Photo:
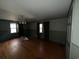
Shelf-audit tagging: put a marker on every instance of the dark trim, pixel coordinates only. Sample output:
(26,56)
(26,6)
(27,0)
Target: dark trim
(8,20)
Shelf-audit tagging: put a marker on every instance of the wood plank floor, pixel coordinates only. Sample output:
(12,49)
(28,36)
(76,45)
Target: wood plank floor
(31,49)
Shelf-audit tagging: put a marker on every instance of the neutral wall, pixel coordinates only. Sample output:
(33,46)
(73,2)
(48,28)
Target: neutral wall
(74,49)
(33,29)
(57,30)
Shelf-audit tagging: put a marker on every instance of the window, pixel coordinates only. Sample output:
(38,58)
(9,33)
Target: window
(13,27)
(41,28)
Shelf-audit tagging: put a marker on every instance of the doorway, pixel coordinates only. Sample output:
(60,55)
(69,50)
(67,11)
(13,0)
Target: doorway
(43,30)
(21,30)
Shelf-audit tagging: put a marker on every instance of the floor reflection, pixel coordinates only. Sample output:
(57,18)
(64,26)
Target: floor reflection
(14,46)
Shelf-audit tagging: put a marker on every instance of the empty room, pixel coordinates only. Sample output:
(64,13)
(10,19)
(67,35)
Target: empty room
(39,29)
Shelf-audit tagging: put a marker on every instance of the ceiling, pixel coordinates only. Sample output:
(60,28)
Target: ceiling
(34,9)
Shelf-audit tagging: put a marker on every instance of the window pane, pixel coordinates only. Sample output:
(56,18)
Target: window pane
(13,25)
(40,28)
(13,30)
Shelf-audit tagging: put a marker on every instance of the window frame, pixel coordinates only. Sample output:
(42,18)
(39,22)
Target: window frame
(15,27)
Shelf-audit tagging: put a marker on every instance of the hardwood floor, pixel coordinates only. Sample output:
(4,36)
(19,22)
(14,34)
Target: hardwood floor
(31,49)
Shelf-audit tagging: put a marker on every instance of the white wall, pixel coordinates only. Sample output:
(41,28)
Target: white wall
(74,48)
(58,24)
(75,23)
(57,30)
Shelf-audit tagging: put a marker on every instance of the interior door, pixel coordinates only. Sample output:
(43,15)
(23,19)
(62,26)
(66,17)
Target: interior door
(46,30)
(21,30)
